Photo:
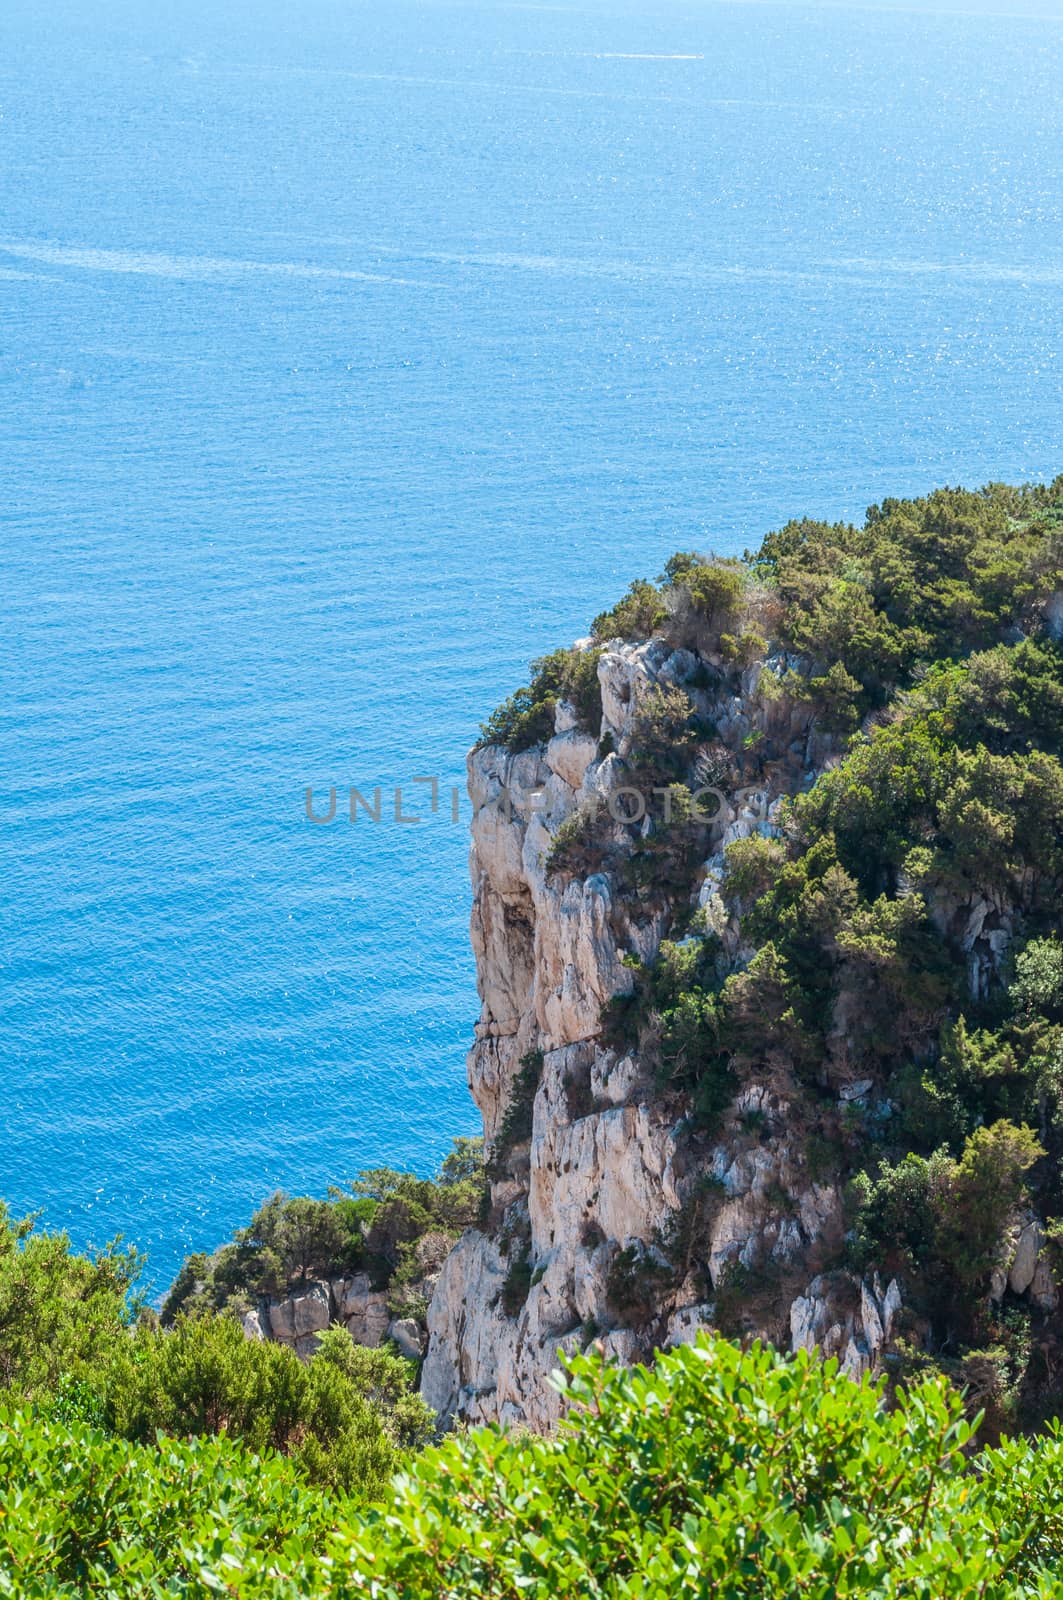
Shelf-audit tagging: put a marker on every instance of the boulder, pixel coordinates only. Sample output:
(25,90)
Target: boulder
(311,1310)
(1024,1261)
(406,1335)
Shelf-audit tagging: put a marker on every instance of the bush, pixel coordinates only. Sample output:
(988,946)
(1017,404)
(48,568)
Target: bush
(665,736)
(946,1214)
(922,580)
(89,1516)
(61,1315)
(345,1417)
(635,1283)
(986,1187)
(751,866)
(580,845)
(739,1473)
(375,1228)
(722,1471)
(715,590)
(636,616)
(1037,989)
(516,1124)
(527,717)
(516,1285)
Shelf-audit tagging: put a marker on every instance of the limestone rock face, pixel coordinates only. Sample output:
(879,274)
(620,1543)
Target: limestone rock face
(842,1316)
(1027,1249)
(466,1327)
(364,1311)
(607,1175)
(405,1334)
(298,1319)
(252,1326)
(1024,1267)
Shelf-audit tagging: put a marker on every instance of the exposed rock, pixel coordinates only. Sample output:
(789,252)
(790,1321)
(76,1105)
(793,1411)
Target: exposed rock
(607,1168)
(365,1312)
(282,1320)
(1024,1262)
(298,1319)
(311,1311)
(612,1080)
(873,1331)
(466,1330)
(1043,1290)
(405,1333)
(685,1324)
(1023,1267)
(842,1316)
(1053,615)
(569,754)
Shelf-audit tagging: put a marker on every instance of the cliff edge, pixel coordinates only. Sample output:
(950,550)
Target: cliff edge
(728,919)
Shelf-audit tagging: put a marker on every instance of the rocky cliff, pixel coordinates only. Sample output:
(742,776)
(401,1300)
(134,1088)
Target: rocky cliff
(615,1213)
(610,1163)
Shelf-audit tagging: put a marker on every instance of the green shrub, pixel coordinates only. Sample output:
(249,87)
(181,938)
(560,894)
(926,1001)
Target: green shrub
(527,717)
(665,735)
(738,1473)
(922,580)
(722,1471)
(516,1125)
(715,590)
(516,1285)
(636,616)
(580,846)
(375,1228)
(945,1214)
(83,1515)
(987,1185)
(741,650)
(751,865)
(1037,989)
(688,1239)
(345,1416)
(61,1315)
(635,1284)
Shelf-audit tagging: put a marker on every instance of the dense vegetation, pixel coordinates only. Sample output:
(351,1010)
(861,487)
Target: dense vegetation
(743,1475)
(78,1343)
(527,717)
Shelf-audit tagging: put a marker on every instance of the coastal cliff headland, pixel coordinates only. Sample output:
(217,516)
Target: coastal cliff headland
(766,918)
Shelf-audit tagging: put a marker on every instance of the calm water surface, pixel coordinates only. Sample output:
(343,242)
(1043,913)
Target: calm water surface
(351,355)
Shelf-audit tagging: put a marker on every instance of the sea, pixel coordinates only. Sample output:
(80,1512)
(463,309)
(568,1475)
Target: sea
(353,353)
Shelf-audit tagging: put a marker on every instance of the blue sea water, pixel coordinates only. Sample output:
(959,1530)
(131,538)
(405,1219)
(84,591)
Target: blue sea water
(351,354)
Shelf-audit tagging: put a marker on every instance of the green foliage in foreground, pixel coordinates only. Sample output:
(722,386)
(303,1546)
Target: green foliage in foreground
(741,1475)
(70,1344)
(346,1416)
(82,1514)
(61,1315)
